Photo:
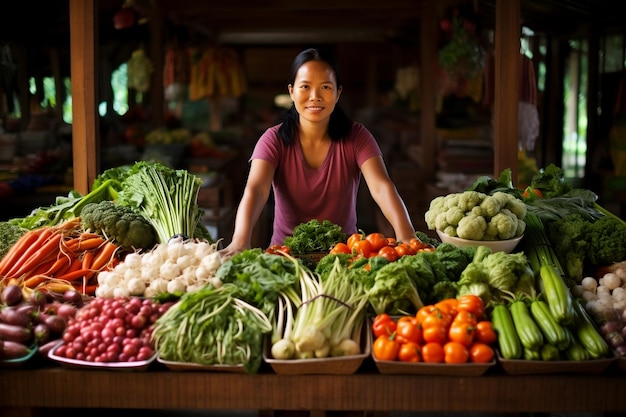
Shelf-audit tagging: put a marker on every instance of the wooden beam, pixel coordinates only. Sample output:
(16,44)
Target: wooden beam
(85,138)
(506,94)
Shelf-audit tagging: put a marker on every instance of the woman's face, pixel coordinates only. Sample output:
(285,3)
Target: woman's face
(314,91)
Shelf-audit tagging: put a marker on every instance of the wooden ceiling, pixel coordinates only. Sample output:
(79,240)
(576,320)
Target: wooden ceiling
(289,21)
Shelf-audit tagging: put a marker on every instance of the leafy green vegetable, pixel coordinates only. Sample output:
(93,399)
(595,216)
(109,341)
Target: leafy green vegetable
(394,291)
(444,290)
(212,326)
(314,236)
(580,242)
(550,181)
(167,197)
(9,234)
(504,183)
(128,229)
(67,207)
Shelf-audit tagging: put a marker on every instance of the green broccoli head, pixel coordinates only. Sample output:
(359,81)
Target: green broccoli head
(608,241)
(128,229)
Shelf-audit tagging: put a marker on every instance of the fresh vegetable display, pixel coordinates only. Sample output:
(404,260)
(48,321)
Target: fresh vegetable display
(175,267)
(314,236)
(477,216)
(452,331)
(112,330)
(34,320)
(58,258)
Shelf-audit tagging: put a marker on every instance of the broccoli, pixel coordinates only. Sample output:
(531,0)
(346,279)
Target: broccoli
(443,290)
(9,235)
(394,292)
(569,237)
(128,229)
(607,240)
(472,227)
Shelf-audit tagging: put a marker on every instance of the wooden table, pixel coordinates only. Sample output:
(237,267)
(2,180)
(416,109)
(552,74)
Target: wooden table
(28,392)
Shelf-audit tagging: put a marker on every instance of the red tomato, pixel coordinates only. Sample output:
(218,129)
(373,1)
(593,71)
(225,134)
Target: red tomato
(389,253)
(340,248)
(407,330)
(485,332)
(376,240)
(481,353)
(455,352)
(462,333)
(362,247)
(433,353)
(471,303)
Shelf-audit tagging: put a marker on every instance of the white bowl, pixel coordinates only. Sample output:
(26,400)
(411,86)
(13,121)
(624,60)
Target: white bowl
(495,245)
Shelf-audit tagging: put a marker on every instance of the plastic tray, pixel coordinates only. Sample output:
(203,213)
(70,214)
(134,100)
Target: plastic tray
(190,366)
(343,365)
(528,367)
(109,366)
(19,362)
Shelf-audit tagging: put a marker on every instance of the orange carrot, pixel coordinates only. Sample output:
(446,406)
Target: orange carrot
(79,273)
(35,280)
(87,259)
(36,256)
(17,249)
(61,262)
(85,289)
(42,268)
(104,256)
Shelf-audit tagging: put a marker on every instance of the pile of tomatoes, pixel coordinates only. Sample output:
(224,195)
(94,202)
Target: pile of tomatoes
(453,330)
(377,244)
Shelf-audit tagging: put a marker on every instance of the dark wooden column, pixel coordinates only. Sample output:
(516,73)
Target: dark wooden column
(85,121)
(507,59)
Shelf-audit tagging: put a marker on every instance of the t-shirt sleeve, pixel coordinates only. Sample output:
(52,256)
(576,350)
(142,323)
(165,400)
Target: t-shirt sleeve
(268,147)
(366,146)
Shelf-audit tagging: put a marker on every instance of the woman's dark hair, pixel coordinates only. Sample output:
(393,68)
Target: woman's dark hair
(339,125)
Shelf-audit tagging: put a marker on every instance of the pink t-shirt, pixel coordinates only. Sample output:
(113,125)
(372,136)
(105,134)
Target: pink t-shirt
(329,192)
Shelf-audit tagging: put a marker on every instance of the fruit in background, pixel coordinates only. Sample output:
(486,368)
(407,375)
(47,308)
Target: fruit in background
(134,135)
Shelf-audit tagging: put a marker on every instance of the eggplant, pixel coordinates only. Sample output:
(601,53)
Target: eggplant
(13,350)
(13,333)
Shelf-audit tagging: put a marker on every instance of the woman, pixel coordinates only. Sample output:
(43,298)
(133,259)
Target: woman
(313,160)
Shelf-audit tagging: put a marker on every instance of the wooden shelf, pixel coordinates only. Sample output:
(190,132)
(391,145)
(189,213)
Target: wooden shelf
(26,391)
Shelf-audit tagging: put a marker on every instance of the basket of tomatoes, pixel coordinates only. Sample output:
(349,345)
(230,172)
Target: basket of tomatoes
(450,337)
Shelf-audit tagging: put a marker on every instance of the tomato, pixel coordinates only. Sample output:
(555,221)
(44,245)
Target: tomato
(404,249)
(435,334)
(433,353)
(455,352)
(424,312)
(385,348)
(391,241)
(340,248)
(362,247)
(417,244)
(462,333)
(473,304)
(353,238)
(481,353)
(277,249)
(447,306)
(435,318)
(407,330)
(465,317)
(389,253)
(383,324)
(409,352)
(377,240)
(485,332)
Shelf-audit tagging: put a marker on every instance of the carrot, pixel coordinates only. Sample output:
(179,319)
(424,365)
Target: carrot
(79,273)
(35,280)
(42,268)
(35,257)
(87,243)
(87,259)
(54,286)
(104,256)
(61,262)
(85,289)
(17,249)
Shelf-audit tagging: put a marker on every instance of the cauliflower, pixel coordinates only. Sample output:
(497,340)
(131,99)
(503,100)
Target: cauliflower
(472,227)
(436,206)
(454,215)
(128,229)
(492,204)
(470,199)
(506,224)
(517,207)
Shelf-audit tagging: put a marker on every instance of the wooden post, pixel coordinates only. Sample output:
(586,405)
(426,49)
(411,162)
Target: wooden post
(506,94)
(428,55)
(85,138)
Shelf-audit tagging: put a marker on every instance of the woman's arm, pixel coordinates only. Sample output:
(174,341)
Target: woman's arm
(385,194)
(254,198)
